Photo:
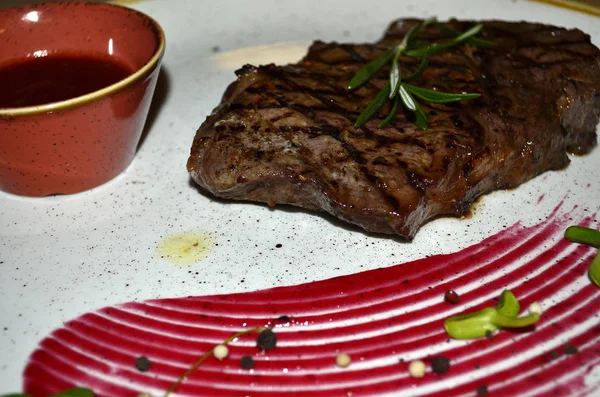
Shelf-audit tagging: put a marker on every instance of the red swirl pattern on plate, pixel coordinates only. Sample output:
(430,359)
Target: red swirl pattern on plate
(382,318)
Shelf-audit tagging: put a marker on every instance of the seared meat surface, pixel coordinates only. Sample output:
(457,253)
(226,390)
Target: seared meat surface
(285,134)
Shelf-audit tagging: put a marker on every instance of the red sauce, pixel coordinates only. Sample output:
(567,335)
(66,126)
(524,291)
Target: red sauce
(38,81)
(369,312)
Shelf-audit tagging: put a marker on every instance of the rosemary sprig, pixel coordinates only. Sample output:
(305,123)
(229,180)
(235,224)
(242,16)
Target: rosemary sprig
(209,353)
(397,87)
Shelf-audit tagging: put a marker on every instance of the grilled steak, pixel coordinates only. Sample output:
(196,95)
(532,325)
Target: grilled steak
(284,134)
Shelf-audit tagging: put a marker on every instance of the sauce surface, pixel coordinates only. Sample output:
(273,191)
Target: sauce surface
(53,78)
(383,318)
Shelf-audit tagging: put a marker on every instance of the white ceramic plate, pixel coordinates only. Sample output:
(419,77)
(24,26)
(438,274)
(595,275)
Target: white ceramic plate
(64,256)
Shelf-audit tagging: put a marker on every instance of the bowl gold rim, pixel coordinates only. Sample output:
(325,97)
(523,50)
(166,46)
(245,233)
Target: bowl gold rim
(9,113)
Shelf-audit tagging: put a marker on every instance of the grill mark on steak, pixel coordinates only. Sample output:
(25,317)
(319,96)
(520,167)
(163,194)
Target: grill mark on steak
(329,105)
(285,134)
(355,56)
(325,128)
(334,132)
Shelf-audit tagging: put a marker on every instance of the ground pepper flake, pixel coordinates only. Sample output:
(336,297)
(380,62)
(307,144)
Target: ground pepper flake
(482,390)
(440,365)
(266,340)
(570,349)
(284,319)
(142,363)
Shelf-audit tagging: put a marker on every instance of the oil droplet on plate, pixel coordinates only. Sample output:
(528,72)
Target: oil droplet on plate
(186,248)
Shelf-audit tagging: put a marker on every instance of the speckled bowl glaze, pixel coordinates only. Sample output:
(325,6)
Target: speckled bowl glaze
(80,143)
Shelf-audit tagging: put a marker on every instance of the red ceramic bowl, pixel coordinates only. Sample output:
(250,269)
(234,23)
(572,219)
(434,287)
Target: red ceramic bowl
(85,139)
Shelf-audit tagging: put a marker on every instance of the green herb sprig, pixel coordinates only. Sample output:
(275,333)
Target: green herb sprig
(207,355)
(585,235)
(489,320)
(397,90)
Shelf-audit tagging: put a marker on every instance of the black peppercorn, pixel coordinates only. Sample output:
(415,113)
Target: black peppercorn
(142,363)
(266,340)
(440,365)
(247,362)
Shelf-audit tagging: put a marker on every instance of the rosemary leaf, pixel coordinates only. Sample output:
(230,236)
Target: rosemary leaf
(397,90)
(422,66)
(395,78)
(414,32)
(392,114)
(473,40)
(374,106)
(367,71)
(437,48)
(438,96)
(407,100)
(421,118)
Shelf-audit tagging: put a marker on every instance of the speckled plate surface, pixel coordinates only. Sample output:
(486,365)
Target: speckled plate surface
(61,257)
